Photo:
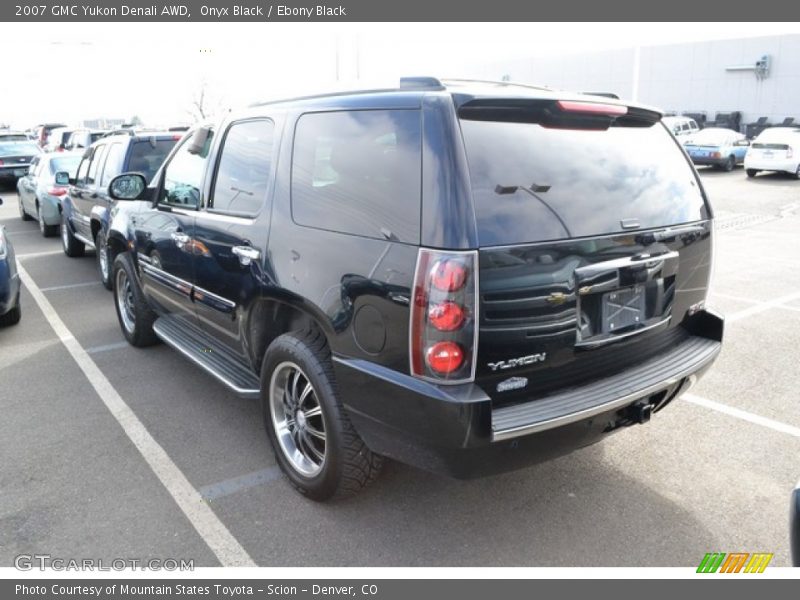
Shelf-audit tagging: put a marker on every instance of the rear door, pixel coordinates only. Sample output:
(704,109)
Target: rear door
(594,240)
(80,193)
(232,230)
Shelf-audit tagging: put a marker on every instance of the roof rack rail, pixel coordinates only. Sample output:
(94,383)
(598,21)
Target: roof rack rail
(428,83)
(498,82)
(603,94)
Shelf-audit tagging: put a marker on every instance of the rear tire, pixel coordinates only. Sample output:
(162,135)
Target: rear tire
(13,316)
(72,246)
(315,444)
(102,260)
(135,316)
(730,164)
(752,173)
(45,229)
(797,172)
(23,215)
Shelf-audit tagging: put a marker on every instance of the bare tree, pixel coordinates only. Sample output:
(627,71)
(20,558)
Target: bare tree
(203,103)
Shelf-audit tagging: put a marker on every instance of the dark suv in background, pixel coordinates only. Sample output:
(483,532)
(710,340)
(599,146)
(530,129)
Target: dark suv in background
(464,276)
(85,211)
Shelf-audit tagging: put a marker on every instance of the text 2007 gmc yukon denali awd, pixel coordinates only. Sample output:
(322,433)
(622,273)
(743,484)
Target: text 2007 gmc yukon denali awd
(463,276)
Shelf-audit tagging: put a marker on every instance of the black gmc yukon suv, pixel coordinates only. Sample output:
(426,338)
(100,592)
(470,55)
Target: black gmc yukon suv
(463,276)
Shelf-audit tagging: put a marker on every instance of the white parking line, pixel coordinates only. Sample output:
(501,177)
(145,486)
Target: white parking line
(69,286)
(761,307)
(743,414)
(221,542)
(35,254)
(751,301)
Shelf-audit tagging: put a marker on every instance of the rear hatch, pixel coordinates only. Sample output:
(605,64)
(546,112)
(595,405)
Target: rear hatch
(769,151)
(594,237)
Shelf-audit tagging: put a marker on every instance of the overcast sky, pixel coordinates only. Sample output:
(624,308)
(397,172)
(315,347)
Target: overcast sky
(73,71)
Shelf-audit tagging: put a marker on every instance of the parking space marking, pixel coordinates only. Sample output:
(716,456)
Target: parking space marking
(761,307)
(219,539)
(107,347)
(69,286)
(237,484)
(35,254)
(752,301)
(743,415)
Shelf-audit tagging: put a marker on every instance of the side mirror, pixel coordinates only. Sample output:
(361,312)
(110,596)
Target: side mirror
(62,178)
(198,142)
(128,186)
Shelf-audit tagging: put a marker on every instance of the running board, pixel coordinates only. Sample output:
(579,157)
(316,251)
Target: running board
(205,352)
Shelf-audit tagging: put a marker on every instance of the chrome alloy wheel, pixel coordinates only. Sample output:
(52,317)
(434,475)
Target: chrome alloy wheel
(64,232)
(297,419)
(125,300)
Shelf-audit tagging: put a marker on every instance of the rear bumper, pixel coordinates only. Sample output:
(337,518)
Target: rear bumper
(456,431)
(790,166)
(716,162)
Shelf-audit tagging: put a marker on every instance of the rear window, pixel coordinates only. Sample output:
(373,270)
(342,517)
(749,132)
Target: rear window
(146,156)
(13,137)
(66,163)
(359,172)
(18,148)
(531,183)
(760,146)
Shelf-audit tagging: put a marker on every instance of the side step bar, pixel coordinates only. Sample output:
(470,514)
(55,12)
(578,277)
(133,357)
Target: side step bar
(575,404)
(205,352)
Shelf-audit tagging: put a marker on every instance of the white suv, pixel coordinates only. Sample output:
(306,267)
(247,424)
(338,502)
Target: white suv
(681,127)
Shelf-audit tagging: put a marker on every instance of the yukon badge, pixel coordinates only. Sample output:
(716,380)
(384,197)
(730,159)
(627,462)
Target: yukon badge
(513,383)
(530,359)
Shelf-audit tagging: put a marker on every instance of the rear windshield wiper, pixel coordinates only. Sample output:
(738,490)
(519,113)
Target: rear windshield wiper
(534,190)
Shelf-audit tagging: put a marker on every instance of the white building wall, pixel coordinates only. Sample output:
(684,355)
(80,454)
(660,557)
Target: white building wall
(677,78)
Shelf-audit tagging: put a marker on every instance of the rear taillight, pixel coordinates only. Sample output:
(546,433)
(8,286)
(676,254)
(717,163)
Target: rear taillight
(592,108)
(57,191)
(716,155)
(443,332)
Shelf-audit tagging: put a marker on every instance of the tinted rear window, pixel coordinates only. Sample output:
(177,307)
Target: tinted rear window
(146,156)
(359,172)
(575,183)
(18,148)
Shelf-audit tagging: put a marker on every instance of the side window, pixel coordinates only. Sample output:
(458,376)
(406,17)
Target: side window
(83,168)
(113,162)
(359,172)
(244,167)
(685,127)
(91,175)
(183,175)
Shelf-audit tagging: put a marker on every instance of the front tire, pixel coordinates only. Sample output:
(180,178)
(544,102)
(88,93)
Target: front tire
(315,444)
(135,316)
(13,316)
(797,172)
(72,246)
(102,260)
(752,173)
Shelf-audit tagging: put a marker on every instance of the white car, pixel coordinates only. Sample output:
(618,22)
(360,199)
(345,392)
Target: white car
(775,149)
(681,127)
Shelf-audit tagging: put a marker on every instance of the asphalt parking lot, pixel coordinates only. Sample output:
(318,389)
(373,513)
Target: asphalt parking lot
(713,472)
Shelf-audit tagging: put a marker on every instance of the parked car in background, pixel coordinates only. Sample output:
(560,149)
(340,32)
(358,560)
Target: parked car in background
(775,149)
(40,194)
(43,132)
(794,525)
(681,126)
(83,138)
(85,210)
(721,148)
(14,160)
(10,310)
(418,273)
(13,136)
(57,140)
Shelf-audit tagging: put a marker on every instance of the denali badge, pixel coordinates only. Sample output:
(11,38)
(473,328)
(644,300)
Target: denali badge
(517,362)
(513,383)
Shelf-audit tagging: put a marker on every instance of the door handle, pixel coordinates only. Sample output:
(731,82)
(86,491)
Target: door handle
(180,239)
(246,254)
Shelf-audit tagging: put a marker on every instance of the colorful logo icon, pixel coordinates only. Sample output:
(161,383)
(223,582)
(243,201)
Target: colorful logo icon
(735,562)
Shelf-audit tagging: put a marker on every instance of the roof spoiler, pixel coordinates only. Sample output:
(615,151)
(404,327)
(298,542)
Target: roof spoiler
(603,94)
(420,83)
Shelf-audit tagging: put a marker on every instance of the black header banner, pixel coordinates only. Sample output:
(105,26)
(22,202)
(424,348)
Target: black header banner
(395,10)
